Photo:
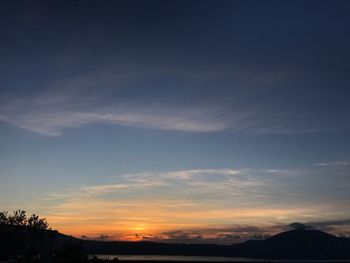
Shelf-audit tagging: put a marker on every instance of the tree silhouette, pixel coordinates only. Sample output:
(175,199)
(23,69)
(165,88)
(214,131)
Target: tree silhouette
(21,237)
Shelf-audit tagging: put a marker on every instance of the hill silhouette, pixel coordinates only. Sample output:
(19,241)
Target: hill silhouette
(298,244)
(293,244)
(301,243)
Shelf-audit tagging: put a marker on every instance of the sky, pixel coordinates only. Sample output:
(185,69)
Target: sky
(176,121)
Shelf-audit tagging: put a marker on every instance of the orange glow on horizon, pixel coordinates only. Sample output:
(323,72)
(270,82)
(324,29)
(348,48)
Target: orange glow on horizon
(132,227)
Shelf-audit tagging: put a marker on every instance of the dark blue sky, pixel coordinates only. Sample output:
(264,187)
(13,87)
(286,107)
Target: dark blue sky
(93,92)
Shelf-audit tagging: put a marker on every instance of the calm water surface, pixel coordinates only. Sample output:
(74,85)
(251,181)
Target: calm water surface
(199,258)
(176,258)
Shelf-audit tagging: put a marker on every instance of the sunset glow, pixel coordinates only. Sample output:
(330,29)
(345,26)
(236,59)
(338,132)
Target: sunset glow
(176,121)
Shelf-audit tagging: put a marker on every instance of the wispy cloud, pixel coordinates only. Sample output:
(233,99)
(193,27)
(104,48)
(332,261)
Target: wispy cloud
(202,202)
(95,99)
(49,115)
(335,163)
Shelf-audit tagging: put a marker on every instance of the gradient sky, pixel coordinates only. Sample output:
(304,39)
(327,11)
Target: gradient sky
(198,121)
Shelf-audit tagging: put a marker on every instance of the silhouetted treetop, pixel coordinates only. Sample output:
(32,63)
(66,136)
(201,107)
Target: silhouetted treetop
(19,218)
(23,238)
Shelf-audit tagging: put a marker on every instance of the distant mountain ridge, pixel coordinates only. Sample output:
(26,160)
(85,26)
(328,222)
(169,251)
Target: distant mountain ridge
(298,244)
(293,244)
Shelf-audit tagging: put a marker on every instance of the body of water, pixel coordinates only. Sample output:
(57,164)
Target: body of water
(203,259)
(177,258)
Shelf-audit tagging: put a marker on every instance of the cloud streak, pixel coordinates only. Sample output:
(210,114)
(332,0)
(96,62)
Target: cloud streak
(213,204)
(336,163)
(50,116)
(96,99)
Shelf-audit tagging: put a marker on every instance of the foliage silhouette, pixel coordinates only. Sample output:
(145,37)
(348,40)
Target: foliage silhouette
(22,237)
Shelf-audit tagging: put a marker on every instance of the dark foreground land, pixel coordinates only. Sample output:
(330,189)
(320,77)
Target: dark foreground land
(28,239)
(162,261)
(32,245)
(292,245)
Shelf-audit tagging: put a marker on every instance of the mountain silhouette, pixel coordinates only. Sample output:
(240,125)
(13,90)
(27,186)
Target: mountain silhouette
(293,244)
(297,244)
